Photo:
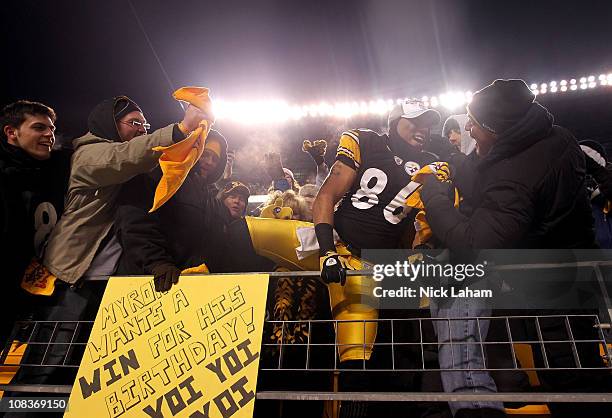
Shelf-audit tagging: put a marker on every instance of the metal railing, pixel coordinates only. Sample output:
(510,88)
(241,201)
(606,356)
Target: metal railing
(316,354)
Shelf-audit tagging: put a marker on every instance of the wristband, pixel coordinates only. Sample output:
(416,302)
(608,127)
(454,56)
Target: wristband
(325,236)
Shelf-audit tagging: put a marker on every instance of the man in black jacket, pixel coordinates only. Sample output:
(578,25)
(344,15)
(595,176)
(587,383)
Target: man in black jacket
(185,232)
(526,189)
(33,182)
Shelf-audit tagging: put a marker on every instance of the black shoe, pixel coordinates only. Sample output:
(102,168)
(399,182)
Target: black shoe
(480,413)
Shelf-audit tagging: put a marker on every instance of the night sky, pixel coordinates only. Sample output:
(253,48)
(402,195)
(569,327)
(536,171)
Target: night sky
(72,54)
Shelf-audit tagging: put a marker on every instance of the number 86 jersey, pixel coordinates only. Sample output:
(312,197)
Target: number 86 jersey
(372,214)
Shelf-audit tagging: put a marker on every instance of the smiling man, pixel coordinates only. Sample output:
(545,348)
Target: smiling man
(32,186)
(524,188)
(370,180)
(369,177)
(117,148)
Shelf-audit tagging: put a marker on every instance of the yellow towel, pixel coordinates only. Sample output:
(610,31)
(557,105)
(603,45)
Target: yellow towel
(37,280)
(201,269)
(442,172)
(177,159)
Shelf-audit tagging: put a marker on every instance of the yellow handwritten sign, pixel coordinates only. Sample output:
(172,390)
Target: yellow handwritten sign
(190,352)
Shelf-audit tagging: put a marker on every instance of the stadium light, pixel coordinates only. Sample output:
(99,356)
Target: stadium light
(279,111)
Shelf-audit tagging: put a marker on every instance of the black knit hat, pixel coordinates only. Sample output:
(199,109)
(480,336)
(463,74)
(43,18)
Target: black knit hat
(450,124)
(501,104)
(123,106)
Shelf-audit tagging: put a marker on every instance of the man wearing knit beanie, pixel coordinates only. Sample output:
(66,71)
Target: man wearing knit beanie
(525,189)
(495,109)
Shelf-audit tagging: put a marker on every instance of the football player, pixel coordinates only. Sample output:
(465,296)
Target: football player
(371,179)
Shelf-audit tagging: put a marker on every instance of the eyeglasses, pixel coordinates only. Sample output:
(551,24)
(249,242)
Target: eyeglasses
(137,124)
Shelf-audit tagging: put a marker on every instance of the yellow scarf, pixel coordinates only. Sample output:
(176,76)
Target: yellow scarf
(177,159)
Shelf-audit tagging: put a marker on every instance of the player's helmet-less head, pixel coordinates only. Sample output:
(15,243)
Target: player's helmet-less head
(409,127)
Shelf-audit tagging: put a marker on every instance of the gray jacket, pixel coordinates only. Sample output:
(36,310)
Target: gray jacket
(99,167)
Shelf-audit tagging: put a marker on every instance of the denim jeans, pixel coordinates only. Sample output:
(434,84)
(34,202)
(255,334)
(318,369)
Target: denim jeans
(463,356)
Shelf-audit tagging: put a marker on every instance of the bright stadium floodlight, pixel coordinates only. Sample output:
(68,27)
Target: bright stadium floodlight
(279,111)
(452,100)
(363,108)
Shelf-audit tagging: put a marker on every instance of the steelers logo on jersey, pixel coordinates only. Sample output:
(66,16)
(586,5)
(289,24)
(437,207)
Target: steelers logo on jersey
(411,167)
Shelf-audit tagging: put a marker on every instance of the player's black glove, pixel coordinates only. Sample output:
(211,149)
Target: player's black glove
(164,276)
(334,267)
(316,150)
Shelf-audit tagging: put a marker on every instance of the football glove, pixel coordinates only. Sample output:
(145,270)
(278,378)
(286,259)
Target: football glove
(334,267)
(316,149)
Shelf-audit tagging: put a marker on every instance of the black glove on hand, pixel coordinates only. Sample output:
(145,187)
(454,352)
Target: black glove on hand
(334,267)
(433,187)
(164,276)
(316,150)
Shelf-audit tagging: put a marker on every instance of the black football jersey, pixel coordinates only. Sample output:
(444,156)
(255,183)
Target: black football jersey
(372,214)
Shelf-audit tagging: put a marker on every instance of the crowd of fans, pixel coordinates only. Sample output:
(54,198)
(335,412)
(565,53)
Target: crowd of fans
(69,218)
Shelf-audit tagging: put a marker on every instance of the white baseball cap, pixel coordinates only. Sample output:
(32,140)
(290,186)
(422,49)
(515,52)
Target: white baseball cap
(413,110)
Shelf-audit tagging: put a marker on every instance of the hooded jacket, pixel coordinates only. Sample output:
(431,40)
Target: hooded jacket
(186,231)
(100,164)
(528,192)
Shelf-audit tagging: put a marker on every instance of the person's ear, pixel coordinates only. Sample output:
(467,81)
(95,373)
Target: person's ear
(11,134)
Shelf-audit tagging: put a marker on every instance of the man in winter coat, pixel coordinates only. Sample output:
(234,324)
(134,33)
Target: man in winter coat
(527,191)
(185,232)
(116,149)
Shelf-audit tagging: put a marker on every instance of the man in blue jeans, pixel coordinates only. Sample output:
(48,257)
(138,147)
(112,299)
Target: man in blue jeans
(525,189)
